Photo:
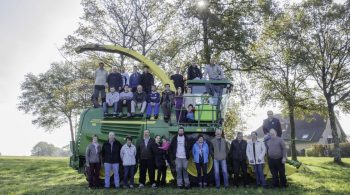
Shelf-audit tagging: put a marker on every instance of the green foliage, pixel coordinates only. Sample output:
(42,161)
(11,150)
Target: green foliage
(46,149)
(317,150)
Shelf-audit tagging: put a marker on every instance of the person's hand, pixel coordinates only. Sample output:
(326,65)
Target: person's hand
(166,163)
(259,160)
(284,160)
(87,165)
(251,161)
(124,101)
(153,104)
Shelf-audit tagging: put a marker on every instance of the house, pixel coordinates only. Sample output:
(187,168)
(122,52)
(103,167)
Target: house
(314,129)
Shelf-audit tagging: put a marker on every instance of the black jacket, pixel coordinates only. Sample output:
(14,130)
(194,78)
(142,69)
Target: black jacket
(238,150)
(111,156)
(273,124)
(178,81)
(139,97)
(193,72)
(173,147)
(144,152)
(146,80)
(159,155)
(115,79)
(167,96)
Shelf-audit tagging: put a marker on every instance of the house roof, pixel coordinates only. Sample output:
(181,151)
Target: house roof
(310,129)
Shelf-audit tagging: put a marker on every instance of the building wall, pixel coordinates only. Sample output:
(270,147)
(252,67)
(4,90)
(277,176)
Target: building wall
(327,133)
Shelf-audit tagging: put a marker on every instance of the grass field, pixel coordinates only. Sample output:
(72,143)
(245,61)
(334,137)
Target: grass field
(33,175)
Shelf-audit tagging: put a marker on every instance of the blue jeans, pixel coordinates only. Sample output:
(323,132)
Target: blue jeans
(217,164)
(108,168)
(105,107)
(149,109)
(259,174)
(129,170)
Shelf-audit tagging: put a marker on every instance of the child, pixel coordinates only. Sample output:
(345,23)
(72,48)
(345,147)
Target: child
(190,114)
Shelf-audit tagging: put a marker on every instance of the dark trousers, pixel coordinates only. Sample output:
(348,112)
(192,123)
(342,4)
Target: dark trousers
(129,172)
(146,165)
(166,106)
(238,166)
(100,89)
(278,172)
(161,175)
(120,105)
(202,168)
(94,173)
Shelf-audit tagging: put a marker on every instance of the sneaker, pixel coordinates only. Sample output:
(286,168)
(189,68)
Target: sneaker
(154,186)
(131,186)
(141,185)
(187,187)
(156,116)
(148,117)
(180,187)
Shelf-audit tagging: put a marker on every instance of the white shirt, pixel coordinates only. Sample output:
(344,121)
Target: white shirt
(180,151)
(112,98)
(101,76)
(126,78)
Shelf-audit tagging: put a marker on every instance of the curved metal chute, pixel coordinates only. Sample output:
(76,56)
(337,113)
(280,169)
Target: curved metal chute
(154,68)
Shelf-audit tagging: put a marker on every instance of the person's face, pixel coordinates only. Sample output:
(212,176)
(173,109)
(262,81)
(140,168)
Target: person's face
(111,137)
(145,70)
(146,134)
(189,90)
(167,87)
(163,140)
(126,89)
(157,139)
(253,135)
(114,69)
(272,133)
(135,68)
(139,88)
(190,108)
(94,139)
(200,140)
(239,137)
(128,142)
(177,70)
(101,65)
(153,88)
(270,114)
(180,132)
(218,133)
(112,89)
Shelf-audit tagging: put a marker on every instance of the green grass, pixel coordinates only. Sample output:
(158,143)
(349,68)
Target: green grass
(33,175)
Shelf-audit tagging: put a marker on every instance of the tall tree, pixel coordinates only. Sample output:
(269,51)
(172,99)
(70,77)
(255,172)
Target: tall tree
(325,36)
(57,96)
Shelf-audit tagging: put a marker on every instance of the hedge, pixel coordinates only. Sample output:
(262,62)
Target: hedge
(319,150)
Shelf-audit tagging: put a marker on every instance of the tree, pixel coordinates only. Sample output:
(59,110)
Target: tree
(56,96)
(325,36)
(283,78)
(45,149)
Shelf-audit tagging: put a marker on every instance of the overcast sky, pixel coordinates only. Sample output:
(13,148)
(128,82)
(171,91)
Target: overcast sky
(30,32)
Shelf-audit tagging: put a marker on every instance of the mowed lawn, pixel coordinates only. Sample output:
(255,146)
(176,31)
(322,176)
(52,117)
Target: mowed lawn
(38,175)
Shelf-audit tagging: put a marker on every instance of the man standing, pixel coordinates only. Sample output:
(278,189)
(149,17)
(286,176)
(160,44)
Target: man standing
(256,154)
(238,155)
(100,83)
(114,79)
(220,153)
(111,101)
(213,71)
(277,154)
(193,72)
(180,153)
(146,159)
(272,123)
(93,161)
(134,79)
(178,79)
(125,76)
(167,101)
(146,80)
(139,100)
(111,159)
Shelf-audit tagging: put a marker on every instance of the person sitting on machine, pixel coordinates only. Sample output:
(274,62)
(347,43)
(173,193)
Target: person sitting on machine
(125,98)
(190,114)
(139,100)
(111,101)
(167,102)
(153,101)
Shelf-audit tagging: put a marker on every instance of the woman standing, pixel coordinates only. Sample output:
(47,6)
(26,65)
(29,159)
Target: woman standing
(93,161)
(128,156)
(160,161)
(256,153)
(178,104)
(200,152)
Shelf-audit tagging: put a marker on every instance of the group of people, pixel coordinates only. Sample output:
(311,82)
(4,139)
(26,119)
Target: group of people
(158,153)
(138,91)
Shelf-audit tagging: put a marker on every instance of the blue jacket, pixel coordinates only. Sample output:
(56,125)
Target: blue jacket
(153,97)
(195,152)
(134,79)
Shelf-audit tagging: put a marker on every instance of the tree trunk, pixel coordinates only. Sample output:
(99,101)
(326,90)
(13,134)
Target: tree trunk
(205,39)
(293,149)
(71,128)
(331,115)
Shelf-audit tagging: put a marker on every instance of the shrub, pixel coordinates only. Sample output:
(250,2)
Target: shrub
(318,150)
